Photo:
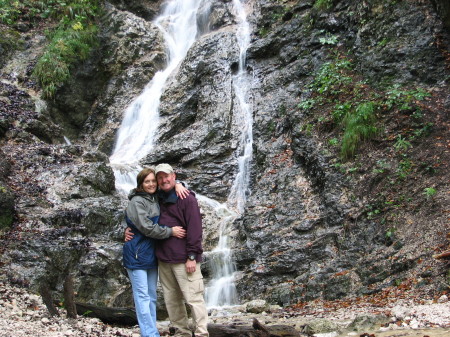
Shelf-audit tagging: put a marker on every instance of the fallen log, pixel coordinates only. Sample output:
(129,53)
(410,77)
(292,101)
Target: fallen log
(123,316)
(256,330)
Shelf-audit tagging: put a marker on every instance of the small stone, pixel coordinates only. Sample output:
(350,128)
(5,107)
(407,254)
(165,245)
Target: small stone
(414,324)
(443,299)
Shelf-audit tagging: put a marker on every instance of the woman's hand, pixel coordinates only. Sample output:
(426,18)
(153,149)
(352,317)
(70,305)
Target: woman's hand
(178,232)
(128,234)
(181,191)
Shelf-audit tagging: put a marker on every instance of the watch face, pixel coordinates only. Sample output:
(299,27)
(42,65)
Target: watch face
(191,257)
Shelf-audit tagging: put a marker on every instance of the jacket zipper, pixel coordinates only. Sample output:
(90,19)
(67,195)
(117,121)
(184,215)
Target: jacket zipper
(137,251)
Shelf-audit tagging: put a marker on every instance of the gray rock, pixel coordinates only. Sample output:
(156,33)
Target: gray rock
(318,326)
(256,306)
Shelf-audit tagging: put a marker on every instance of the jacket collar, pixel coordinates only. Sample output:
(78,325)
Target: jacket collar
(168,197)
(133,193)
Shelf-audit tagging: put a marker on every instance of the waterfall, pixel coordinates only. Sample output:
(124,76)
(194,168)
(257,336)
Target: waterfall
(222,291)
(241,85)
(135,136)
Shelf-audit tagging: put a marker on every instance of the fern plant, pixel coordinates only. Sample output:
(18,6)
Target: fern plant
(358,126)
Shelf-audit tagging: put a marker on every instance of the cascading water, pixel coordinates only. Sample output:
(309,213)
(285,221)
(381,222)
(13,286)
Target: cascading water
(135,137)
(241,85)
(222,291)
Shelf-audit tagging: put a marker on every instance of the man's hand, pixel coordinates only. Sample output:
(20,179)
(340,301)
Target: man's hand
(178,232)
(190,266)
(128,234)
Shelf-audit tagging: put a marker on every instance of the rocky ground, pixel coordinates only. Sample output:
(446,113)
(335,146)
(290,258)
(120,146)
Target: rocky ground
(24,314)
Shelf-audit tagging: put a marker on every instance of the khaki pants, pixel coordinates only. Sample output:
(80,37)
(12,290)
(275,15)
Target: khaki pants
(180,287)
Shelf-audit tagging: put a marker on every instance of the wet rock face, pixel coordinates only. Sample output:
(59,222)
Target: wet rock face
(294,243)
(145,9)
(91,106)
(197,111)
(301,235)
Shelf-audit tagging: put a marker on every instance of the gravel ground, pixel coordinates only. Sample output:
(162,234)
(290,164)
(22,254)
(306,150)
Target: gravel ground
(24,314)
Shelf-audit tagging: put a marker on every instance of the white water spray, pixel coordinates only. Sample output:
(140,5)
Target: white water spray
(136,134)
(222,291)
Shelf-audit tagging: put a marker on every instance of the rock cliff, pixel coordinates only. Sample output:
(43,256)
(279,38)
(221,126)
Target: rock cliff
(315,225)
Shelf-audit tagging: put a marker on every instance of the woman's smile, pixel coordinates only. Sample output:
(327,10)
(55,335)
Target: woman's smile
(149,185)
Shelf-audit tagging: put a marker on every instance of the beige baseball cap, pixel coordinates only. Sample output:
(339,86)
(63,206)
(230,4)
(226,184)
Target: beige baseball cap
(166,168)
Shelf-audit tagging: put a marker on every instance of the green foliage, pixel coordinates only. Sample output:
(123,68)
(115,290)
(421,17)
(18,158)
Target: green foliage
(390,232)
(401,144)
(331,77)
(425,130)
(341,110)
(373,211)
(398,282)
(306,104)
(272,126)
(9,40)
(404,167)
(70,42)
(355,106)
(263,31)
(35,10)
(323,4)
(404,98)
(333,141)
(328,39)
(429,192)
(383,42)
(10,11)
(358,126)
(67,47)
(308,128)
(382,166)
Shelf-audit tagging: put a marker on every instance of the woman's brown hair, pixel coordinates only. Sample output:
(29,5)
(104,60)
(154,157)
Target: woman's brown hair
(141,177)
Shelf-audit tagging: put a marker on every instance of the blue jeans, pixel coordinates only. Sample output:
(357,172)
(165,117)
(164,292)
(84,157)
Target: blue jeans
(143,283)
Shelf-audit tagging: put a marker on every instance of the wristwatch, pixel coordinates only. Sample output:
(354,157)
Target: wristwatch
(191,257)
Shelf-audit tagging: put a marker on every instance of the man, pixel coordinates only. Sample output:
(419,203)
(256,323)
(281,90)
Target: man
(179,268)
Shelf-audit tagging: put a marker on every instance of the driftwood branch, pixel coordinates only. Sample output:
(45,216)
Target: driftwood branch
(256,330)
(69,297)
(442,255)
(47,298)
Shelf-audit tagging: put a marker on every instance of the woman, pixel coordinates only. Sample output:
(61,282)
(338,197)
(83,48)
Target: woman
(142,215)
